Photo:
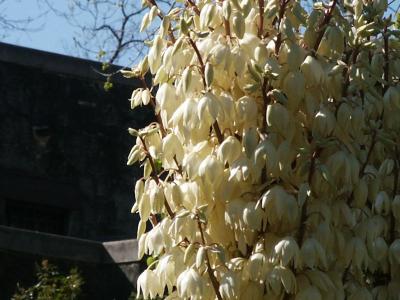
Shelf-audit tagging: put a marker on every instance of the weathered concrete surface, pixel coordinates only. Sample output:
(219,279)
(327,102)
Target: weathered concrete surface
(110,269)
(58,246)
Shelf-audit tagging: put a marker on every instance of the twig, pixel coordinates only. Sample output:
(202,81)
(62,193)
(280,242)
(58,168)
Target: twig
(371,148)
(324,23)
(346,71)
(155,176)
(282,8)
(396,172)
(227,28)
(153,103)
(394,192)
(161,16)
(214,280)
(159,120)
(218,133)
(202,70)
(303,216)
(386,56)
(202,66)
(261,19)
(194,6)
(266,100)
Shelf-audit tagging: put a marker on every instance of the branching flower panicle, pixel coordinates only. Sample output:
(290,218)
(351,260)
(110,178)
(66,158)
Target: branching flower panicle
(272,171)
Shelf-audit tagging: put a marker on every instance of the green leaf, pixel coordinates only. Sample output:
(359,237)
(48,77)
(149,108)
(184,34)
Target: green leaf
(108,86)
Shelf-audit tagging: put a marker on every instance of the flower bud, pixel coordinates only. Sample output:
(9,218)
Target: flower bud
(229,150)
(229,286)
(357,121)
(382,203)
(379,249)
(139,189)
(255,266)
(261,55)
(156,196)
(226,9)
(265,154)
(208,108)
(377,62)
(277,117)
(360,194)
(394,253)
(238,25)
(154,56)
(190,284)
(312,254)
(247,110)
(250,141)
(344,116)
(252,216)
(209,74)
(396,207)
(141,229)
(386,167)
(294,88)
(392,97)
(356,253)
(286,251)
(200,256)
(144,207)
(149,285)
(332,43)
(134,155)
(172,147)
(324,123)
(312,70)
(186,79)
(291,55)
(211,170)
(188,253)
(207,16)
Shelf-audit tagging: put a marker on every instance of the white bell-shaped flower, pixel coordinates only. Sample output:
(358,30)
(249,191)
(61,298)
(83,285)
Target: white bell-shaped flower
(190,284)
(148,285)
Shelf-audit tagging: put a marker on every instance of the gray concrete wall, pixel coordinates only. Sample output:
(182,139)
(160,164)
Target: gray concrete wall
(109,269)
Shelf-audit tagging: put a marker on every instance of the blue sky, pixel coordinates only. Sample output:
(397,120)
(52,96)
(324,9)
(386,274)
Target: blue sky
(53,33)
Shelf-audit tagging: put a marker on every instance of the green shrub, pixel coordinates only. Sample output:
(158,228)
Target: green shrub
(51,284)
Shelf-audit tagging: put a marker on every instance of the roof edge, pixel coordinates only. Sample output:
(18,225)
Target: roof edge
(60,63)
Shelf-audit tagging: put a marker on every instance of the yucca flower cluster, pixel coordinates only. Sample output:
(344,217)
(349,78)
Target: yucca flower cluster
(272,171)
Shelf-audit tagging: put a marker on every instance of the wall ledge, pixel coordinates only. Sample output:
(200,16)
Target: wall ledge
(69,248)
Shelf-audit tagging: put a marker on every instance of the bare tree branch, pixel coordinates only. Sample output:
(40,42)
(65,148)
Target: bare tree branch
(107,27)
(25,24)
